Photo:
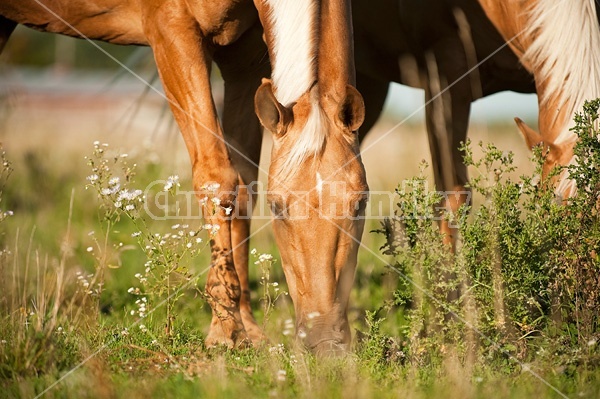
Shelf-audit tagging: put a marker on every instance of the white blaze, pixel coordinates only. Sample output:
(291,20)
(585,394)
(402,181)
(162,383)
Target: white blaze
(319,183)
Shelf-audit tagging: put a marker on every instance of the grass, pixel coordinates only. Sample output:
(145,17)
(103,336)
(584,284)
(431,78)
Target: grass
(67,328)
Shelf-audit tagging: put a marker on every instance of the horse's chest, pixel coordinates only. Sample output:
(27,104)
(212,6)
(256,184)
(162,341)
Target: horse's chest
(223,22)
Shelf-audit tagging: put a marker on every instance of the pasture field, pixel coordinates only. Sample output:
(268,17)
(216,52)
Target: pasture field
(72,323)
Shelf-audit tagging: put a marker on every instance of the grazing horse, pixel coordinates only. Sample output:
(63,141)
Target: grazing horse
(309,106)
(446,47)
(559,43)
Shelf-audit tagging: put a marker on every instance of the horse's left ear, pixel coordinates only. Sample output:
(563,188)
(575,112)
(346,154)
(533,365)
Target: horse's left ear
(352,112)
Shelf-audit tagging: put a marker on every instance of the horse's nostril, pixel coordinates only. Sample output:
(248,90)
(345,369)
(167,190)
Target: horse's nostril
(330,348)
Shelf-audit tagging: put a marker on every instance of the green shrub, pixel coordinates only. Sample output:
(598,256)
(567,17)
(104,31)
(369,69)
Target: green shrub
(526,270)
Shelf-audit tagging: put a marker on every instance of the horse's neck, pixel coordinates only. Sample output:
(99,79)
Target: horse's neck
(511,20)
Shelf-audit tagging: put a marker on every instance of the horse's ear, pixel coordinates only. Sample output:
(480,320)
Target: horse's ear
(352,112)
(532,138)
(271,113)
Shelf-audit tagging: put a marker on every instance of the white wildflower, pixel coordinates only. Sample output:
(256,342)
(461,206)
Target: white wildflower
(213,187)
(89,249)
(114,181)
(281,374)
(312,315)
(93,178)
(265,258)
(172,181)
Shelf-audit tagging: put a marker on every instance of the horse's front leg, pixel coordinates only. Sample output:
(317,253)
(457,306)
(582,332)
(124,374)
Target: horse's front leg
(183,62)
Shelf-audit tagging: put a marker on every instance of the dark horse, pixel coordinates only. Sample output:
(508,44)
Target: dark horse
(450,49)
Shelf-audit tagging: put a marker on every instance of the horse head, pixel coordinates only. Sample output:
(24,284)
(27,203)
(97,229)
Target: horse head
(555,154)
(317,193)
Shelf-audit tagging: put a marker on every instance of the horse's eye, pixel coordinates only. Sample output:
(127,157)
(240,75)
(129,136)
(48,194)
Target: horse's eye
(359,207)
(279,210)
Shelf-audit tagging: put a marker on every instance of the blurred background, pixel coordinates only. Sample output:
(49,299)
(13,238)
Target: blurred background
(72,91)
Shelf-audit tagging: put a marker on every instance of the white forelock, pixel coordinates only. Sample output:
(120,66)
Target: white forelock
(294,41)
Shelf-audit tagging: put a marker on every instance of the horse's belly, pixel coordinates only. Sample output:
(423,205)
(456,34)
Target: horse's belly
(114,21)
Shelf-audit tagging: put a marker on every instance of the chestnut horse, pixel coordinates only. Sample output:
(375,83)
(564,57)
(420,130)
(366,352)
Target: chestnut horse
(559,43)
(446,47)
(309,106)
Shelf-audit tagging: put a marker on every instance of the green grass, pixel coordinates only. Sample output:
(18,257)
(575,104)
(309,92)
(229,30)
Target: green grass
(64,342)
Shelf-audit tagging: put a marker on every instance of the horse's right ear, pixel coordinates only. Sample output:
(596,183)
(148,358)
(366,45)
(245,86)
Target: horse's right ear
(532,138)
(271,113)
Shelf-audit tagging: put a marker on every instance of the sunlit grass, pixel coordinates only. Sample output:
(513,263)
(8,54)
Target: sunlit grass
(52,327)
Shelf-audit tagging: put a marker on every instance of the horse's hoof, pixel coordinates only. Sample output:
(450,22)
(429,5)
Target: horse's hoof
(255,333)
(213,340)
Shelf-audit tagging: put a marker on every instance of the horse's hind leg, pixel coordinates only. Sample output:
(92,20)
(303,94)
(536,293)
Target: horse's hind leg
(243,65)
(6,29)
(448,100)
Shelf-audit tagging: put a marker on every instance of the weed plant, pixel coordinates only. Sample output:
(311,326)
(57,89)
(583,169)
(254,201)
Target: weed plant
(524,282)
